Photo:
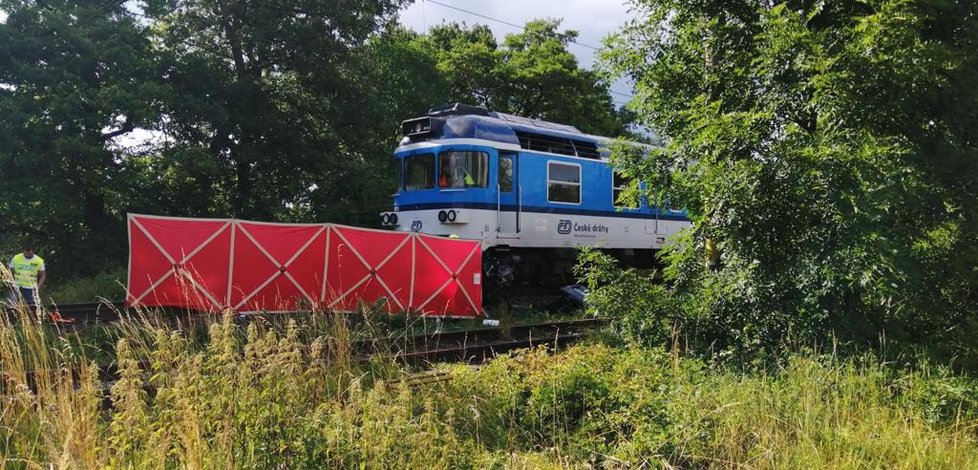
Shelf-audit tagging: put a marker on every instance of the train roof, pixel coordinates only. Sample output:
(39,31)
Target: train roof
(459,121)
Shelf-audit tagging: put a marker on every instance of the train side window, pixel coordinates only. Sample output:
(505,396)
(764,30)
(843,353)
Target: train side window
(619,186)
(505,174)
(564,182)
(419,172)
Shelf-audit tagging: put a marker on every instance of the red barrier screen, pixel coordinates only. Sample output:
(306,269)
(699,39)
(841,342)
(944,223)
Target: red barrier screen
(217,264)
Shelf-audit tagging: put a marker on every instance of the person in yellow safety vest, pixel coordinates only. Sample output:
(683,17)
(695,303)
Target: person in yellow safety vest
(29,274)
(468,179)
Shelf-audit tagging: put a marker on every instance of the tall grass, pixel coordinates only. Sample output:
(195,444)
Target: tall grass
(595,405)
(293,395)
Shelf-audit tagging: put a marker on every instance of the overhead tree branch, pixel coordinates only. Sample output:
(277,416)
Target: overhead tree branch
(125,129)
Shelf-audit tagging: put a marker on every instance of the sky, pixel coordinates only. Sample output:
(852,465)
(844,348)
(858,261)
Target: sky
(593,19)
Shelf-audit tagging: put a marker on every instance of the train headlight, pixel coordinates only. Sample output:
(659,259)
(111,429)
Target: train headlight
(388,218)
(453,216)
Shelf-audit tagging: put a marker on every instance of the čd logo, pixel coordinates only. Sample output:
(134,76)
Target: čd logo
(564,227)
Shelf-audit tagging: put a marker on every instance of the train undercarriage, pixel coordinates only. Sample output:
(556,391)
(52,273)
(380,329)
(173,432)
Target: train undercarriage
(505,267)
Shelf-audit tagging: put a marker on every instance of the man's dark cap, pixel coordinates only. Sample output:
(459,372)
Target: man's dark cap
(28,247)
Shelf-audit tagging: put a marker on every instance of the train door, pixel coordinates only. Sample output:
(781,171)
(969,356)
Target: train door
(507,184)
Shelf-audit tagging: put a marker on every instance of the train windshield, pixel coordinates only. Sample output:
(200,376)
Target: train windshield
(464,170)
(419,172)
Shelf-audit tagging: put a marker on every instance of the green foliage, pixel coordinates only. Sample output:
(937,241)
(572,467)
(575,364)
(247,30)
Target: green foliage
(289,397)
(828,148)
(74,76)
(109,285)
(262,122)
(267,114)
(530,74)
(641,309)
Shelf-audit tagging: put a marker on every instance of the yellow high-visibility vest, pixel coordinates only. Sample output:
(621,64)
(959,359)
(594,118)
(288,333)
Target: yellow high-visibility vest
(26,270)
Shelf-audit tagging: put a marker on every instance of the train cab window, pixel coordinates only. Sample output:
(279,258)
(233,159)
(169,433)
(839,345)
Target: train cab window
(463,169)
(564,182)
(419,172)
(505,174)
(619,186)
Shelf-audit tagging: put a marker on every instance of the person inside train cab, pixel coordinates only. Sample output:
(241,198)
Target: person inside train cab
(444,178)
(450,179)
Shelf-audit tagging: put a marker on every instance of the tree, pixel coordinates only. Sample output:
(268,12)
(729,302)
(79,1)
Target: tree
(269,110)
(268,94)
(829,148)
(74,77)
(531,74)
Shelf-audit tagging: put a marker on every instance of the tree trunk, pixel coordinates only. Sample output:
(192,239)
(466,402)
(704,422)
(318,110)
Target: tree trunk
(243,206)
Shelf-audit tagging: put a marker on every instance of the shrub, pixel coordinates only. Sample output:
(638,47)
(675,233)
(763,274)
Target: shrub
(821,148)
(108,285)
(641,309)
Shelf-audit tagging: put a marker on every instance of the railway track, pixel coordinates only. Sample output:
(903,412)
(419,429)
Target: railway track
(472,346)
(478,345)
(80,314)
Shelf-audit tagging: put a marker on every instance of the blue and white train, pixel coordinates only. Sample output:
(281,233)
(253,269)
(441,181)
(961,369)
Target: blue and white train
(531,191)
